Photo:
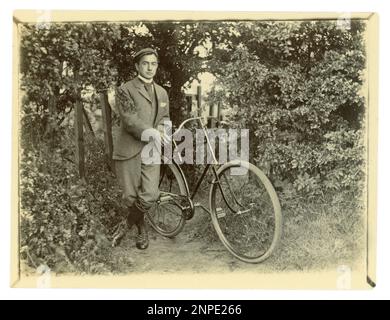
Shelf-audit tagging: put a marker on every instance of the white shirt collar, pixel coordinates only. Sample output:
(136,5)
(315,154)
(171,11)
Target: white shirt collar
(145,80)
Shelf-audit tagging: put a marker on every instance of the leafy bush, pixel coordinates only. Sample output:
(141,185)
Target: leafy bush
(66,223)
(297,88)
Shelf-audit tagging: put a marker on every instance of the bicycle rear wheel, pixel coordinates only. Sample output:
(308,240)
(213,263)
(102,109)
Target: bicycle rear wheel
(245,211)
(168,215)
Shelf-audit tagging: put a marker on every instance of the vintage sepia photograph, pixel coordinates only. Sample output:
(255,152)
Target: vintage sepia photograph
(194,150)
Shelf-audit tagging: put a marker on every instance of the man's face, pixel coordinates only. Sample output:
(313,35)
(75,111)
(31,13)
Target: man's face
(147,66)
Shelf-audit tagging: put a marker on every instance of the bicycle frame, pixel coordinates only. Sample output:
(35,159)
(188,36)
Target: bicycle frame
(212,165)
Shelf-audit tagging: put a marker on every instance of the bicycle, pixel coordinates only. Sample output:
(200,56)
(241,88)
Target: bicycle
(244,208)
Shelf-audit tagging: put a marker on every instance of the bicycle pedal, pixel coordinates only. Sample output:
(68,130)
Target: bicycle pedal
(165,198)
(220,213)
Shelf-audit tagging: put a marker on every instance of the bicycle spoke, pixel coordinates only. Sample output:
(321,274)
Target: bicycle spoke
(158,214)
(247,232)
(231,191)
(175,213)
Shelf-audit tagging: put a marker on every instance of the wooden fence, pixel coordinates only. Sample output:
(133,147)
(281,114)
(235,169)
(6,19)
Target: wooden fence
(81,121)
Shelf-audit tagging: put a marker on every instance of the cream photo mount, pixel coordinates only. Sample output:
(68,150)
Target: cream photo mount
(362,278)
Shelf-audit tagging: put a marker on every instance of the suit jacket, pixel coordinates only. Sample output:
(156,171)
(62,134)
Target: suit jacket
(136,113)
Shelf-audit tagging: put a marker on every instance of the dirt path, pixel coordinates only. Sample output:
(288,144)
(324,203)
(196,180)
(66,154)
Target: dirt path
(308,244)
(187,252)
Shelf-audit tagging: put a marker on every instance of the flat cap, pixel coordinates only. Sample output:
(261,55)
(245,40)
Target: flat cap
(144,52)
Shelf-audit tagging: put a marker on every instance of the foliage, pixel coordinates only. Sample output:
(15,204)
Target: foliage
(297,87)
(66,223)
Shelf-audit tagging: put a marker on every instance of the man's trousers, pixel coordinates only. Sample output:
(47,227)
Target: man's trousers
(139,182)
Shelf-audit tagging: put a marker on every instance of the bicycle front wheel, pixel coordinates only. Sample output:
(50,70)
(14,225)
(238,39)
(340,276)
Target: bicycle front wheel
(168,215)
(245,211)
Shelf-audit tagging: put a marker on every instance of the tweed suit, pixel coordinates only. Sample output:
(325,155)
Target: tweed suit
(138,111)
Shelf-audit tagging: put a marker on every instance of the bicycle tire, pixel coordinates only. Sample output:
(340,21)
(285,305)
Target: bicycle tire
(163,211)
(224,228)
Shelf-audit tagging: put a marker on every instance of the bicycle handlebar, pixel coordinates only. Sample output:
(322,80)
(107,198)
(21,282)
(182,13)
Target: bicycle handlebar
(189,120)
(200,120)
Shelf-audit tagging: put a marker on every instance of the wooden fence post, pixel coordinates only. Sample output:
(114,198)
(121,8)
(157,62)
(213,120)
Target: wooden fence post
(189,102)
(219,115)
(88,124)
(199,100)
(212,123)
(107,127)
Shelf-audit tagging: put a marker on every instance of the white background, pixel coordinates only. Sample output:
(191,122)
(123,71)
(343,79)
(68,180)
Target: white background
(383,267)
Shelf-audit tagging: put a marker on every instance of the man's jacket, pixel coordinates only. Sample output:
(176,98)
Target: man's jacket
(136,113)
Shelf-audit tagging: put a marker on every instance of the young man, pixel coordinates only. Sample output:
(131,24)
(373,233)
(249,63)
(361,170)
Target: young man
(142,104)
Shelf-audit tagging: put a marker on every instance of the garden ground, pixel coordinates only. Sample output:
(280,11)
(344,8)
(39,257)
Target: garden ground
(322,238)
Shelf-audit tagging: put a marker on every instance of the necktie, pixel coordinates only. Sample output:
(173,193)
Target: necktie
(149,89)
